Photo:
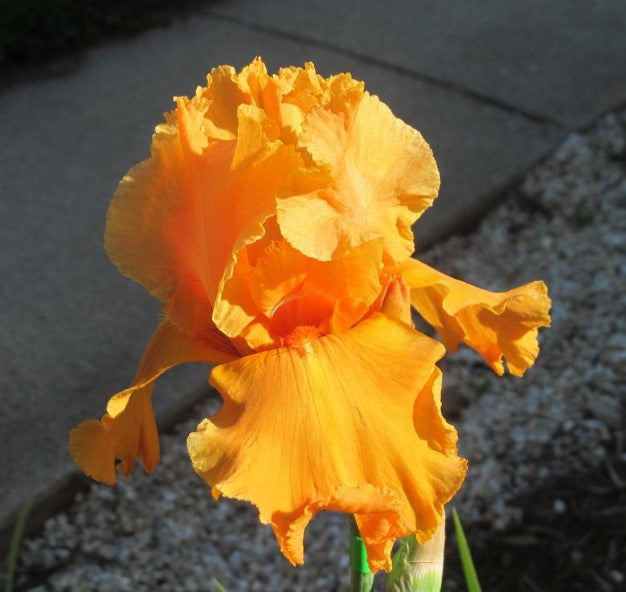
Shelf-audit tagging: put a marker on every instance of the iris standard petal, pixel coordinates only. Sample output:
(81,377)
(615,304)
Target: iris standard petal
(369,192)
(288,289)
(179,218)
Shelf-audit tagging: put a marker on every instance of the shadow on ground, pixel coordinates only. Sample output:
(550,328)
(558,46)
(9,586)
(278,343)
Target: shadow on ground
(571,537)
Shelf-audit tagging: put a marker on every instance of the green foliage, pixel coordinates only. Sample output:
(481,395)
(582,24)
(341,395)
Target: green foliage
(218,586)
(471,579)
(16,537)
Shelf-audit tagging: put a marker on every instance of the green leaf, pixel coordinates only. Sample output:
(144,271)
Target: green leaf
(218,586)
(471,579)
(14,547)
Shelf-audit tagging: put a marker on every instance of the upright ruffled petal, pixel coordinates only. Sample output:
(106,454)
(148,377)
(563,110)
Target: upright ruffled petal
(223,94)
(381,176)
(179,218)
(286,288)
(227,90)
(496,324)
(302,90)
(348,422)
(127,431)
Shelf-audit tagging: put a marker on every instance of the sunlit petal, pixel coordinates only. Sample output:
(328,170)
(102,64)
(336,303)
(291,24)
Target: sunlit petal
(347,422)
(370,192)
(127,431)
(179,218)
(496,324)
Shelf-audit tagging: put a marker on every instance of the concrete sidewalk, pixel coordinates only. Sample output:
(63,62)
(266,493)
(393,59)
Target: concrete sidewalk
(493,86)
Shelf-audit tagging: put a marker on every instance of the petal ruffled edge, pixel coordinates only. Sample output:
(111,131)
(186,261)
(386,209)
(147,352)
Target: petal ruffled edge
(498,325)
(353,436)
(363,194)
(127,431)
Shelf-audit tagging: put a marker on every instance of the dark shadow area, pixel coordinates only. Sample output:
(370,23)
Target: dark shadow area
(571,538)
(35,32)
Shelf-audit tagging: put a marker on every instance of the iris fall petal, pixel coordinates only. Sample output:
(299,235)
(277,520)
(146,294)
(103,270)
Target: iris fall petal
(127,431)
(300,432)
(496,324)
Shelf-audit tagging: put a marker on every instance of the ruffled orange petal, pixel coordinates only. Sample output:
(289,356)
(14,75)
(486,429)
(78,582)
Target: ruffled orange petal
(285,98)
(274,282)
(348,422)
(223,94)
(496,324)
(227,90)
(179,218)
(369,193)
(303,90)
(287,283)
(127,430)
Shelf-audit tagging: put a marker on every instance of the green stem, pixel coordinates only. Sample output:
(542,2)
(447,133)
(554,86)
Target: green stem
(361,578)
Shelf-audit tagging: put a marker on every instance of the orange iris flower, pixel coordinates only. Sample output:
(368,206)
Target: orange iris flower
(273,220)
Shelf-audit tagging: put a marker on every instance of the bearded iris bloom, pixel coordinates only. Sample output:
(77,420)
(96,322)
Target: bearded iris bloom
(273,221)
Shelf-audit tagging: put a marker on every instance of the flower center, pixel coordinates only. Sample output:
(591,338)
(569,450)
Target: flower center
(301,338)
(301,310)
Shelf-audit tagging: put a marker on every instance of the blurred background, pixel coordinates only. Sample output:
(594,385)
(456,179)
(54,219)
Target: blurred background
(523,105)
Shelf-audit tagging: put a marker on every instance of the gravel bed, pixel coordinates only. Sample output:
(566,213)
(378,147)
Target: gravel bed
(565,224)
